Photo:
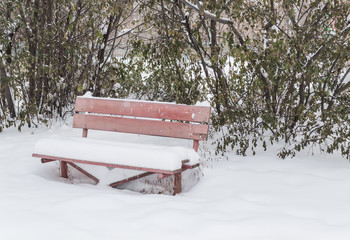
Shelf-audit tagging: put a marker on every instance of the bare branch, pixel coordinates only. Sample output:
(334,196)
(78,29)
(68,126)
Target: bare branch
(207,14)
(213,17)
(125,33)
(343,87)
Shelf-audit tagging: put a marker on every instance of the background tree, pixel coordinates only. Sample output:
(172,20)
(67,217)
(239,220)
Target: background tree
(54,50)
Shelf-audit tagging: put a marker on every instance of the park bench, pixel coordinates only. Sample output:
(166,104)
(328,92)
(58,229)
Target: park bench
(132,117)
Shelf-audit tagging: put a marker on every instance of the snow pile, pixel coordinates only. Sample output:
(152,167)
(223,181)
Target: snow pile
(129,154)
(255,198)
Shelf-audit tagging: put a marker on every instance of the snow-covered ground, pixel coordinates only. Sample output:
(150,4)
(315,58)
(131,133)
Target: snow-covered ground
(259,197)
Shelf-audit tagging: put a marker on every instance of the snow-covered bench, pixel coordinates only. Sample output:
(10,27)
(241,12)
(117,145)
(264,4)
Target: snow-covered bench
(136,117)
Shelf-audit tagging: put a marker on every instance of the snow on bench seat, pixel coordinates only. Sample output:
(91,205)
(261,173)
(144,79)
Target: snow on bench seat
(121,153)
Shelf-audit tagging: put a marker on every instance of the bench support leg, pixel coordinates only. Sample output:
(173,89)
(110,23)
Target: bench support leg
(130,179)
(64,169)
(177,183)
(84,172)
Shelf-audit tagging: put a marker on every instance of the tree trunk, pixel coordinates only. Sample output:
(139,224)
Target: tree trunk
(101,56)
(6,91)
(3,75)
(33,47)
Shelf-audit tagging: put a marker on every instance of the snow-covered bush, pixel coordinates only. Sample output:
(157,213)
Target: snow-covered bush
(273,70)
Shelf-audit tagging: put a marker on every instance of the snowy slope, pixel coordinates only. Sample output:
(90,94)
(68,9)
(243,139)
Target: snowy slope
(259,197)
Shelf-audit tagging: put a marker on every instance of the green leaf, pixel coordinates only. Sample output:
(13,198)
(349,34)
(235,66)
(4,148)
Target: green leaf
(80,87)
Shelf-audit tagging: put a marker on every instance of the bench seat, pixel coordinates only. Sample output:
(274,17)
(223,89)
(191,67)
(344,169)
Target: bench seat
(119,153)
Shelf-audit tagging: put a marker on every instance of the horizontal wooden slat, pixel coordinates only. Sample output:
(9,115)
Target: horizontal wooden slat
(105,164)
(141,126)
(144,109)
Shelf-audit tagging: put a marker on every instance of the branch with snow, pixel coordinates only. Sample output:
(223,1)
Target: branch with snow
(311,57)
(213,17)
(207,14)
(343,87)
(125,32)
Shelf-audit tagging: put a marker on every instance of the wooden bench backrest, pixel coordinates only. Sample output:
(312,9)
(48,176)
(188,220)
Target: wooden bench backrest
(142,117)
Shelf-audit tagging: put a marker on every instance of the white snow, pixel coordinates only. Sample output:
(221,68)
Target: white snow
(309,56)
(260,197)
(265,40)
(312,55)
(104,29)
(264,73)
(333,33)
(89,95)
(206,12)
(203,103)
(117,152)
(275,28)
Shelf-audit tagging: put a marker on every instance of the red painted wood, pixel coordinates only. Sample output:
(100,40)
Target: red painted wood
(185,161)
(185,167)
(64,169)
(143,109)
(177,183)
(84,172)
(85,132)
(162,175)
(131,179)
(106,164)
(141,126)
(195,145)
(46,160)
